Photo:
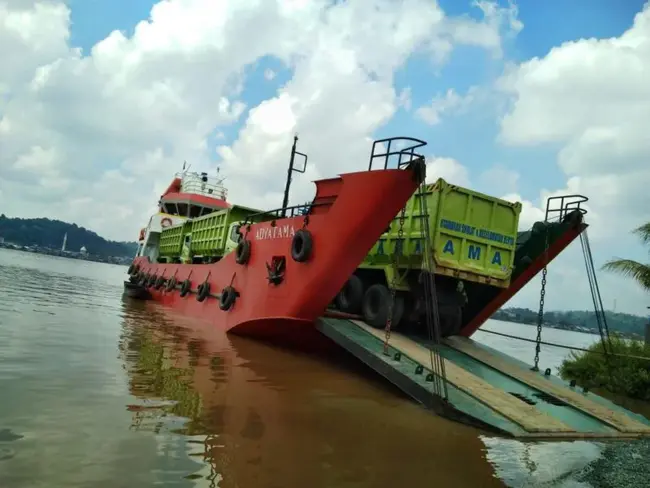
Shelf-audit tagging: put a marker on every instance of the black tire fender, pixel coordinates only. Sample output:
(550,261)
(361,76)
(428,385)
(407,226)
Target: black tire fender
(203,292)
(160,281)
(171,284)
(350,298)
(243,251)
(227,298)
(525,261)
(539,227)
(152,280)
(143,278)
(185,287)
(301,246)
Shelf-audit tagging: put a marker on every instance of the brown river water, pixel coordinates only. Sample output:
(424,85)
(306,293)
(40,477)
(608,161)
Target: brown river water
(99,391)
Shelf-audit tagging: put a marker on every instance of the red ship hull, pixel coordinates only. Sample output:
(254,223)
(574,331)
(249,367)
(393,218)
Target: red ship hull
(348,215)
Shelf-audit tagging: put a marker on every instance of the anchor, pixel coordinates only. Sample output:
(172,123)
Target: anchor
(276,269)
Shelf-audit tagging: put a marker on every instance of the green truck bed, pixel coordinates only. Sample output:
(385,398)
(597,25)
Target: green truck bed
(473,235)
(209,233)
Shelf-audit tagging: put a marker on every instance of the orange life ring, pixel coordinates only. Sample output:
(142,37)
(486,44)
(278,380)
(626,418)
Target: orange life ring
(166,222)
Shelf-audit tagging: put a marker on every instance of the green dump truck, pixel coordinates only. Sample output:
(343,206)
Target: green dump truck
(472,238)
(203,239)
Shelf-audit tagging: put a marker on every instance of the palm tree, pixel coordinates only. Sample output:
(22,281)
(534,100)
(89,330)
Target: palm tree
(628,267)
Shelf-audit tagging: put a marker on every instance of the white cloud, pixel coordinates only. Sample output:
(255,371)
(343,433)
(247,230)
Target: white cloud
(95,139)
(448,169)
(591,98)
(449,103)
(404,98)
(499,180)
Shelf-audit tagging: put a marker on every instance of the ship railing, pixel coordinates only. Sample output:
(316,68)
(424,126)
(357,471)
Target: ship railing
(295,211)
(199,185)
(401,149)
(558,207)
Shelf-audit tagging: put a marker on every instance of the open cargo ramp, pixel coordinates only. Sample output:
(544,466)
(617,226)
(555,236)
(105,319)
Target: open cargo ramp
(485,388)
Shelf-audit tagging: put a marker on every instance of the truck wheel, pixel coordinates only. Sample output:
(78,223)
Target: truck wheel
(350,298)
(376,303)
(451,320)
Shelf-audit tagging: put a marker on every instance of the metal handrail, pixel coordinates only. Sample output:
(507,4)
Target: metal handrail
(407,153)
(194,183)
(567,204)
(294,211)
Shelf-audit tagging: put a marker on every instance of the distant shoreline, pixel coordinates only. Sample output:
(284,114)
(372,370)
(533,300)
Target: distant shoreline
(501,315)
(119,260)
(582,330)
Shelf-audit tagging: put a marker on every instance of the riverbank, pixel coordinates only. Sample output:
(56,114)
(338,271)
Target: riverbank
(122,260)
(628,325)
(627,373)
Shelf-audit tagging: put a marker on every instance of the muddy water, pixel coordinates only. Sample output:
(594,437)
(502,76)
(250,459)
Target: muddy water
(99,391)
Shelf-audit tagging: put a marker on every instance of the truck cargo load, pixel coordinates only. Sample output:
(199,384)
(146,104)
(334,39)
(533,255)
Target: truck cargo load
(474,235)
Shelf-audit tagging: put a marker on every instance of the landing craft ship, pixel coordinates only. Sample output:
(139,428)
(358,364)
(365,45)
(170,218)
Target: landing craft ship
(402,290)
(268,274)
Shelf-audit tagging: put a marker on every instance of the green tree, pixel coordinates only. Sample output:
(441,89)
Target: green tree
(628,267)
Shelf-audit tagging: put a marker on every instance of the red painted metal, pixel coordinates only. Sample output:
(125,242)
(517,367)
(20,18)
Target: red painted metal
(529,273)
(195,199)
(362,205)
(173,194)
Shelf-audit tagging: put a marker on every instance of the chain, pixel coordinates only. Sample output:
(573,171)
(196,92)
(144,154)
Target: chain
(540,313)
(305,221)
(393,291)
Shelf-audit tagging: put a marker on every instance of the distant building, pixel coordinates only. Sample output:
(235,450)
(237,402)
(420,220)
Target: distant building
(83,250)
(65,240)
(2,240)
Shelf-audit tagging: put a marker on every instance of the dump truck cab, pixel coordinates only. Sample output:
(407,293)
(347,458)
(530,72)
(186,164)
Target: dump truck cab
(234,236)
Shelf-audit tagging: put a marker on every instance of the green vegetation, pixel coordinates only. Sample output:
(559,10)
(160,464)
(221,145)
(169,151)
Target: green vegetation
(621,375)
(48,233)
(629,376)
(627,267)
(583,321)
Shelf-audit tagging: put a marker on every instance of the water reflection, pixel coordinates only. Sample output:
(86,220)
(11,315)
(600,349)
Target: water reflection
(257,416)
(179,404)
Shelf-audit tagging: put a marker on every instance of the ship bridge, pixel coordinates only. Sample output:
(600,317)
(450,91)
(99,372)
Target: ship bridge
(194,194)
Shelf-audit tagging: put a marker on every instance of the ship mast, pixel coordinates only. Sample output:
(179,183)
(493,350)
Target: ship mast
(285,201)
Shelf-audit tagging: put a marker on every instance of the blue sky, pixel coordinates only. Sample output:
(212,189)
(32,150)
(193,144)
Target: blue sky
(469,139)
(119,138)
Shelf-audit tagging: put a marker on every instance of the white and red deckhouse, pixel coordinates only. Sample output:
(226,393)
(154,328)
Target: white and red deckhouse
(189,195)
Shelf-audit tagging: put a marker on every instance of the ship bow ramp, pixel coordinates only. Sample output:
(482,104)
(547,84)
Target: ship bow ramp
(485,388)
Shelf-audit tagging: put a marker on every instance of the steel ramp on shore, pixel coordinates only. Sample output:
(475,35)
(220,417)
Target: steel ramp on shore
(486,388)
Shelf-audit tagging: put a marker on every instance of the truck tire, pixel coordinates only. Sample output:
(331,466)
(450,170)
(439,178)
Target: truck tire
(350,298)
(376,303)
(451,320)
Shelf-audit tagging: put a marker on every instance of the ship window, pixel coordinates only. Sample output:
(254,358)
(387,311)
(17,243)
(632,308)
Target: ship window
(182,209)
(195,211)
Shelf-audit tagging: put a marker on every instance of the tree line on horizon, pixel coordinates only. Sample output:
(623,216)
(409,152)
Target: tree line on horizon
(44,232)
(616,321)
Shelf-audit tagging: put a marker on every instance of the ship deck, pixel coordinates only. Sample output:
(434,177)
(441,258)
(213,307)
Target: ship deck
(485,388)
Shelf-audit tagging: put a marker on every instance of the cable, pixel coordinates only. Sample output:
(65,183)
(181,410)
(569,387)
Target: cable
(647,358)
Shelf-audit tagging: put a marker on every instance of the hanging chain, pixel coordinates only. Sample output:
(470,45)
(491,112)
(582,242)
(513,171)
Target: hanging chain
(305,221)
(540,313)
(393,291)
